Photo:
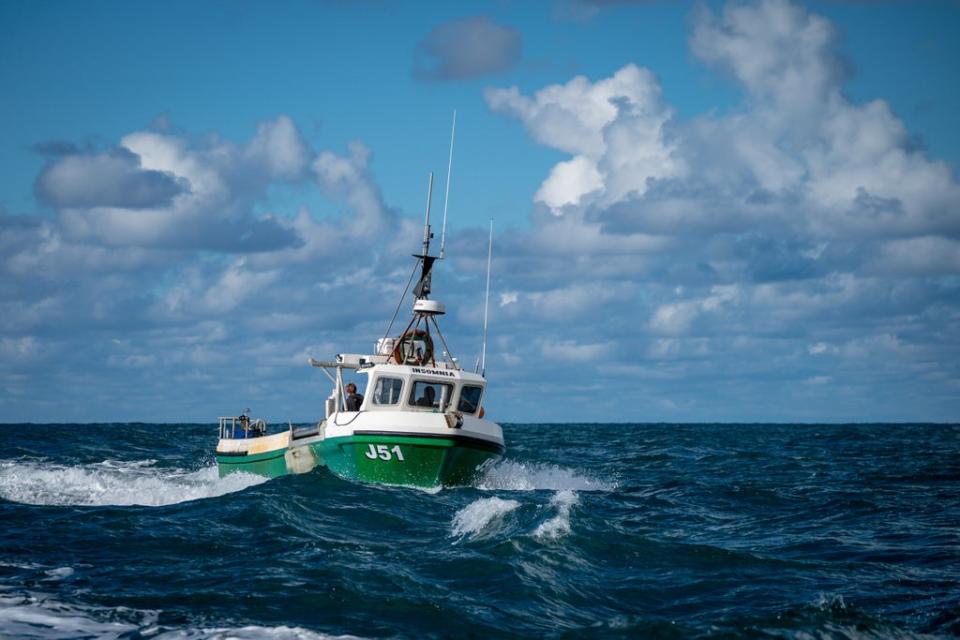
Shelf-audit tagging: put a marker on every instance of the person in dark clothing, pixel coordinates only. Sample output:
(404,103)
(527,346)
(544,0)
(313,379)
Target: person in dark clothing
(354,399)
(426,400)
(244,423)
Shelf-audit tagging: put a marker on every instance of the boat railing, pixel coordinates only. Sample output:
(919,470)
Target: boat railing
(230,424)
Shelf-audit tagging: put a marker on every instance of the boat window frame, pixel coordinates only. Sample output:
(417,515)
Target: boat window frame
(411,397)
(463,388)
(373,394)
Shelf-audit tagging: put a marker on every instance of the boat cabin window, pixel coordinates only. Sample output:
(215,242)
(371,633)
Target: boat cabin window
(469,399)
(387,391)
(433,395)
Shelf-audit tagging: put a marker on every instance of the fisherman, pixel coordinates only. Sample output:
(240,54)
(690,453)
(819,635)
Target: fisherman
(426,400)
(354,399)
(244,420)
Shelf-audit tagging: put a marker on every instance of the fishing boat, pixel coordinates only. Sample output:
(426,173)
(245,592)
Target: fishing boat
(419,422)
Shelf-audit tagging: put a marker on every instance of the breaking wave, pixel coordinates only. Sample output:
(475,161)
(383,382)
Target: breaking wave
(508,475)
(39,617)
(559,525)
(477,515)
(114,483)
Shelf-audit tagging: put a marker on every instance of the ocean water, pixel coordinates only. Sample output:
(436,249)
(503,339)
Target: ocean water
(582,530)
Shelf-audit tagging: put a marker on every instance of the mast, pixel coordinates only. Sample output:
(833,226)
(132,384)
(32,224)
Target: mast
(425,261)
(426,221)
(415,343)
(422,290)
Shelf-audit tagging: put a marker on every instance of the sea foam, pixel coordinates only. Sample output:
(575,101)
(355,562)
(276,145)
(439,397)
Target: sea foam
(39,617)
(559,525)
(477,515)
(252,632)
(114,483)
(508,475)
(42,618)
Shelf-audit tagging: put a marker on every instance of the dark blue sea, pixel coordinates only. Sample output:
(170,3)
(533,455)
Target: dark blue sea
(581,531)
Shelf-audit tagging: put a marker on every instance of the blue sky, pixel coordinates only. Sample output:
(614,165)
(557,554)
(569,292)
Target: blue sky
(705,212)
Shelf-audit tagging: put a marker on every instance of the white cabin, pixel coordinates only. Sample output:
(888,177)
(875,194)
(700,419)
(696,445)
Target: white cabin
(394,387)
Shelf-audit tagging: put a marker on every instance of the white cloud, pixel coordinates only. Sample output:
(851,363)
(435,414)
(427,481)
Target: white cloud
(818,348)
(677,318)
(568,182)
(279,148)
(798,224)
(236,285)
(508,297)
(778,50)
(348,177)
(571,117)
(224,180)
(172,154)
(114,178)
(801,160)
(615,128)
(674,318)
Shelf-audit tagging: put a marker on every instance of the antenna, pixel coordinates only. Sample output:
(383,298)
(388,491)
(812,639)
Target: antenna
(426,222)
(446,197)
(482,364)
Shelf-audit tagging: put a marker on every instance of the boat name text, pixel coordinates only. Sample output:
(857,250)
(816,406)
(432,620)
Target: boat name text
(434,372)
(384,452)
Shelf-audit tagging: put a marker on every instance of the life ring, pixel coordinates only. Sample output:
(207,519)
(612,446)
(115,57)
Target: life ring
(407,338)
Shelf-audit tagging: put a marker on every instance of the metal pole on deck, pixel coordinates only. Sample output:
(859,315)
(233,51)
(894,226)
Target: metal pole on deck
(426,222)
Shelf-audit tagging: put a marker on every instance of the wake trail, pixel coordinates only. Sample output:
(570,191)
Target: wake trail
(114,483)
(40,617)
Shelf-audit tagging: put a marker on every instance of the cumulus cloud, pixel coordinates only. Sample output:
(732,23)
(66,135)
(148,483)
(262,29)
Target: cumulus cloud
(799,218)
(777,50)
(111,179)
(278,150)
(466,48)
(802,158)
(171,191)
(615,129)
(236,285)
(175,295)
(348,177)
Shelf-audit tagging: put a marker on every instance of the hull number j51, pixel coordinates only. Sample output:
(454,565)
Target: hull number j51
(384,452)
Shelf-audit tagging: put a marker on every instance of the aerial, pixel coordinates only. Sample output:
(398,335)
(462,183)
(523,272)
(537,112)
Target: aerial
(686,277)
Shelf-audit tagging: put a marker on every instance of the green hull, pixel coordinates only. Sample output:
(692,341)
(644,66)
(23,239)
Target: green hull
(271,464)
(414,460)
